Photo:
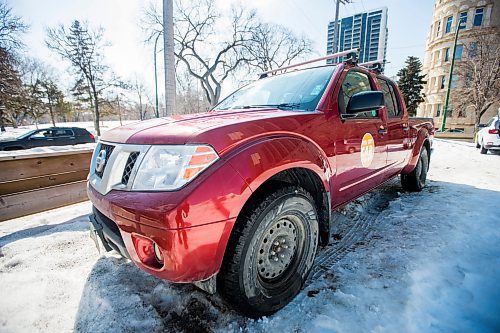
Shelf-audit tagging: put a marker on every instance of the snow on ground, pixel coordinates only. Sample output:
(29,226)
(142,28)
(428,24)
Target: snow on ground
(397,262)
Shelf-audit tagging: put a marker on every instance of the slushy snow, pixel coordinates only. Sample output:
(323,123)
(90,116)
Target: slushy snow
(397,262)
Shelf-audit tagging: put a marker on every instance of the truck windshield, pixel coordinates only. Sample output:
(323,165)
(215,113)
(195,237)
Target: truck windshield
(299,90)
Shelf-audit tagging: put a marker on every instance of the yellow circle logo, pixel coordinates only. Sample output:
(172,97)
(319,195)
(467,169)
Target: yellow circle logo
(367,150)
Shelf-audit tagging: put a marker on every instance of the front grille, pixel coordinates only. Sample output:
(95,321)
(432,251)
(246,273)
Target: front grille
(132,158)
(109,150)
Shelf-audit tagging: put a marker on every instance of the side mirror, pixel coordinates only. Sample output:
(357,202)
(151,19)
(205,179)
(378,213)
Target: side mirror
(365,101)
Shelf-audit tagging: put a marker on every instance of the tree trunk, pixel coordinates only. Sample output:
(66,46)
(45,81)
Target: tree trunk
(96,114)
(51,112)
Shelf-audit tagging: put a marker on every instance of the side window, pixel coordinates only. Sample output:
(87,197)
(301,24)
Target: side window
(63,133)
(354,82)
(397,102)
(388,97)
(42,134)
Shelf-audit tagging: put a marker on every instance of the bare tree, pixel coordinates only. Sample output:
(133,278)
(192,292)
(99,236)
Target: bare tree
(11,27)
(33,74)
(273,46)
(82,47)
(478,76)
(54,97)
(140,90)
(207,58)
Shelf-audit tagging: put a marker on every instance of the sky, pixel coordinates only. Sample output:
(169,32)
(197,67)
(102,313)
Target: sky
(129,57)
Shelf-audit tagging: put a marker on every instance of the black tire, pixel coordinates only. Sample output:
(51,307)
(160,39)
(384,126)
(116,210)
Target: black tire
(270,253)
(415,180)
(483,150)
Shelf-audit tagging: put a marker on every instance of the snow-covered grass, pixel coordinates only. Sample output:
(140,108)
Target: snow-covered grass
(397,262)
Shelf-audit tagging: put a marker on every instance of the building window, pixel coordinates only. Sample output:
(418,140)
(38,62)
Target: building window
(447,54)
(438,112)
(449,22)
(462,21)
(458,52)
(443,82)
(461,113)
(438,29)
(478,17)
(472,49)
(454,80)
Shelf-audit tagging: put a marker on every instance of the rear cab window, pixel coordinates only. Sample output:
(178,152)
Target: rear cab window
(390,97)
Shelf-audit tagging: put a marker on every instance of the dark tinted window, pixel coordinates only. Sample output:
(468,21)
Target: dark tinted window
(63,132)
(478,17)
(353,83)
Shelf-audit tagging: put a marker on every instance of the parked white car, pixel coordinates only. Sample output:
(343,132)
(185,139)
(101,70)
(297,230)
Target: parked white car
(489,136)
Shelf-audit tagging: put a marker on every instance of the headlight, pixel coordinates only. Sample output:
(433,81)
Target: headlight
(171,167)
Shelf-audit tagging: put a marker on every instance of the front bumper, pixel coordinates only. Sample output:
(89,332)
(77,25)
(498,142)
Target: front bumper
(191,226)
(190,254)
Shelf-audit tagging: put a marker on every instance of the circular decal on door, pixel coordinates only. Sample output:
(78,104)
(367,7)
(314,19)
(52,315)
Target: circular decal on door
(367,150)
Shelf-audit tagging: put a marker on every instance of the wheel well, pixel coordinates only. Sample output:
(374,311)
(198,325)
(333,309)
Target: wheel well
(304,178)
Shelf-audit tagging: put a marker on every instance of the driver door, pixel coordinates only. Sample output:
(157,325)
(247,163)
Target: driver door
(360,142)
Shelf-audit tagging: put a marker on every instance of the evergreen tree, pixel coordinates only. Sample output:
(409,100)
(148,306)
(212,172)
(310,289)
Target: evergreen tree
(411,84)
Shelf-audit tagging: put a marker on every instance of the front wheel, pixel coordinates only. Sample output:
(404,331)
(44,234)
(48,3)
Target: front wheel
(270,253)
(415,180)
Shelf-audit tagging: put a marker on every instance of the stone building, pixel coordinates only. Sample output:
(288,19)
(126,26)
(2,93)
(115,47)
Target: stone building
(477,14)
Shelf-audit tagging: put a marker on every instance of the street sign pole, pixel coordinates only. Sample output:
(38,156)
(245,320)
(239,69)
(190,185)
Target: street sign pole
(168,40)
(447,100)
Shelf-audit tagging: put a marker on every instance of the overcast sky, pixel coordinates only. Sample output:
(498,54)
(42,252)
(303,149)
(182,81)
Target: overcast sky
(408,25)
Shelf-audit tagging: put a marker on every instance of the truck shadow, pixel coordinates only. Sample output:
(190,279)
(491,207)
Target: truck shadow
(120,297)
(79,223)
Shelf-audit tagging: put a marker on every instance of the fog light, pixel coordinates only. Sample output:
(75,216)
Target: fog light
(158,254)
(147,251)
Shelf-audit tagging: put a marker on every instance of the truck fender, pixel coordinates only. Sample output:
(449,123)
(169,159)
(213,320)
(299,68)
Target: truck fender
(422,139)
(263,159)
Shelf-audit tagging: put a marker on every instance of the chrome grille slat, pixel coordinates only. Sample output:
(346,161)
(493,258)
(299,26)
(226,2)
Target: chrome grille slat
(132,158)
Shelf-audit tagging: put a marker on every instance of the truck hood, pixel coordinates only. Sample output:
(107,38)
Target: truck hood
(193,128)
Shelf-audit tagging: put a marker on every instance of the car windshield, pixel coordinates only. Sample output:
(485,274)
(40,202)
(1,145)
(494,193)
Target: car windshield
(299,90)
(25,135)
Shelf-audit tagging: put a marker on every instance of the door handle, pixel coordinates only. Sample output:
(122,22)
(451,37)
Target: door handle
(382,130)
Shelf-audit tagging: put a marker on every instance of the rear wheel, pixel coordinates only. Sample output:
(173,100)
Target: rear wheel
(483,150)
(415,180)
(270,253)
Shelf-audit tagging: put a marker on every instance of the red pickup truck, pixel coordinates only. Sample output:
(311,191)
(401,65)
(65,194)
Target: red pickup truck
(237,199)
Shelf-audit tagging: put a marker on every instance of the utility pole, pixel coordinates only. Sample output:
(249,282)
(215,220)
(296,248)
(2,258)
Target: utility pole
(168,40)
(157,112)
(335,28)
(447,100)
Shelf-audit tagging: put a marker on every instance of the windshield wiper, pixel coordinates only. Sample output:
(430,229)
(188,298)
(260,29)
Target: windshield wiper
(282,106)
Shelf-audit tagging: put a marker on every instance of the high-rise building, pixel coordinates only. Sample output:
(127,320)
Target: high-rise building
(480,18)
(365,31)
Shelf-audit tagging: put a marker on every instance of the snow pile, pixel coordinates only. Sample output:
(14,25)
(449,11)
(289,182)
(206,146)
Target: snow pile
(48,149)
(397,262)
(12,133)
